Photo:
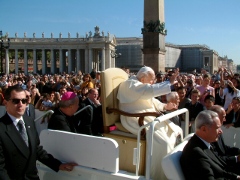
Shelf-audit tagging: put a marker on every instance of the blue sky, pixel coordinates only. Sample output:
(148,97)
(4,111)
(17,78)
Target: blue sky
(212,22)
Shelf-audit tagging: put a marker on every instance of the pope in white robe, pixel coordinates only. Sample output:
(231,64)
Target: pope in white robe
(136,95)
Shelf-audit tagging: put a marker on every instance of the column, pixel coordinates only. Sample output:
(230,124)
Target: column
(35,64)
(53,62)
(16,61)
(7,61)
(60,61)
(64,61)
(103,60)
(78,60)
(90,67)
(107,58)
(153,38)
(86,60)
(113,62)
(25,62)
(44,66)
(69,61)
(110,59)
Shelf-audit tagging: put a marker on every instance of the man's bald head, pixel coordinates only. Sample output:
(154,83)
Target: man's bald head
(220,111)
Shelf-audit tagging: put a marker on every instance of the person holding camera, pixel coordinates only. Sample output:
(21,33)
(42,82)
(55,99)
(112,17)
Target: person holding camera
(205,89)
(228,90)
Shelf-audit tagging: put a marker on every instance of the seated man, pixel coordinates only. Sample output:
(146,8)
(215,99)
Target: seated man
(62,118)
(97,119)
(198,161)
(231,155)
(173,98)
(136,95)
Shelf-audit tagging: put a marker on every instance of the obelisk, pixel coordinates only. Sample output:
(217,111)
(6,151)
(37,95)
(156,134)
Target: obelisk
(154,35)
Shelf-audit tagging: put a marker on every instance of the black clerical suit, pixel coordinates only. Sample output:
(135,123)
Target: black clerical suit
(228,154)
(62,122)
(17,160)
(198,162)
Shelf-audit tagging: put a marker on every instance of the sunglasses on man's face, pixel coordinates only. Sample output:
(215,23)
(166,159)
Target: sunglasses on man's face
(17,101)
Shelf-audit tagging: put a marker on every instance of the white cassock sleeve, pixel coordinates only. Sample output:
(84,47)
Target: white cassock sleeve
(161,88)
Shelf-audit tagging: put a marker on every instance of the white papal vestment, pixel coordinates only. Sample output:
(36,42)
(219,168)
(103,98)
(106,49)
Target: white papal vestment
(136,97)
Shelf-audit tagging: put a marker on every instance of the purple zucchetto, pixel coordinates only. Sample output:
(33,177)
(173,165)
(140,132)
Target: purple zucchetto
(68,95)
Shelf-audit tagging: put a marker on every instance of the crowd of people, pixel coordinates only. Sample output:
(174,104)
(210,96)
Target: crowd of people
(66,94)
(198,92)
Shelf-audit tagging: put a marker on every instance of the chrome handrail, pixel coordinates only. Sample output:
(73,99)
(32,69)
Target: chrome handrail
(48,112)
(86,107)
(150,142)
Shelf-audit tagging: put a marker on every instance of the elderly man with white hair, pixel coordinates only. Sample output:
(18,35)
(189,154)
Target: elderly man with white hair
(136,95)
(173,98)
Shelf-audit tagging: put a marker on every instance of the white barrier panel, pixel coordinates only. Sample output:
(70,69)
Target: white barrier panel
(40,125)
(89,151)
(231,136)
(171,162)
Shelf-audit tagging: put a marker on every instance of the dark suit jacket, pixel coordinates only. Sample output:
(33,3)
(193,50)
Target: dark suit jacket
(31,112)
(97,121)
(226,152)
(229,118)
(17,161)
(198,162)
(194,109)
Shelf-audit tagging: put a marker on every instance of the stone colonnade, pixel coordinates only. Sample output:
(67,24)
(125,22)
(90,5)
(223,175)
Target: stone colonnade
(66,54)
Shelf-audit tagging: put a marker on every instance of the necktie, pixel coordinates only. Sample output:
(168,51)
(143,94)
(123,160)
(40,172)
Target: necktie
(212,148)
(22,131)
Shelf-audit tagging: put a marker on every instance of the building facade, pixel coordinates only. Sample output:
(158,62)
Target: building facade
(185,57)
(64,54)
(57,55)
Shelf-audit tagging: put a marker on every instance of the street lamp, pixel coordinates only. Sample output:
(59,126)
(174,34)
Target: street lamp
(3,46)
(115,55)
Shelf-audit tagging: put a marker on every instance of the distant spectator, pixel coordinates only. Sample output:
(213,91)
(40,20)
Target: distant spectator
(194,108)
(159,78)
(182,97)
(35,96)
(87,82)
(209,101)
(189,87)
(205,89)
(93,73)
(233,113)
(218,99)
(21,84)
(1,97)
(83,95)
(229,92)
